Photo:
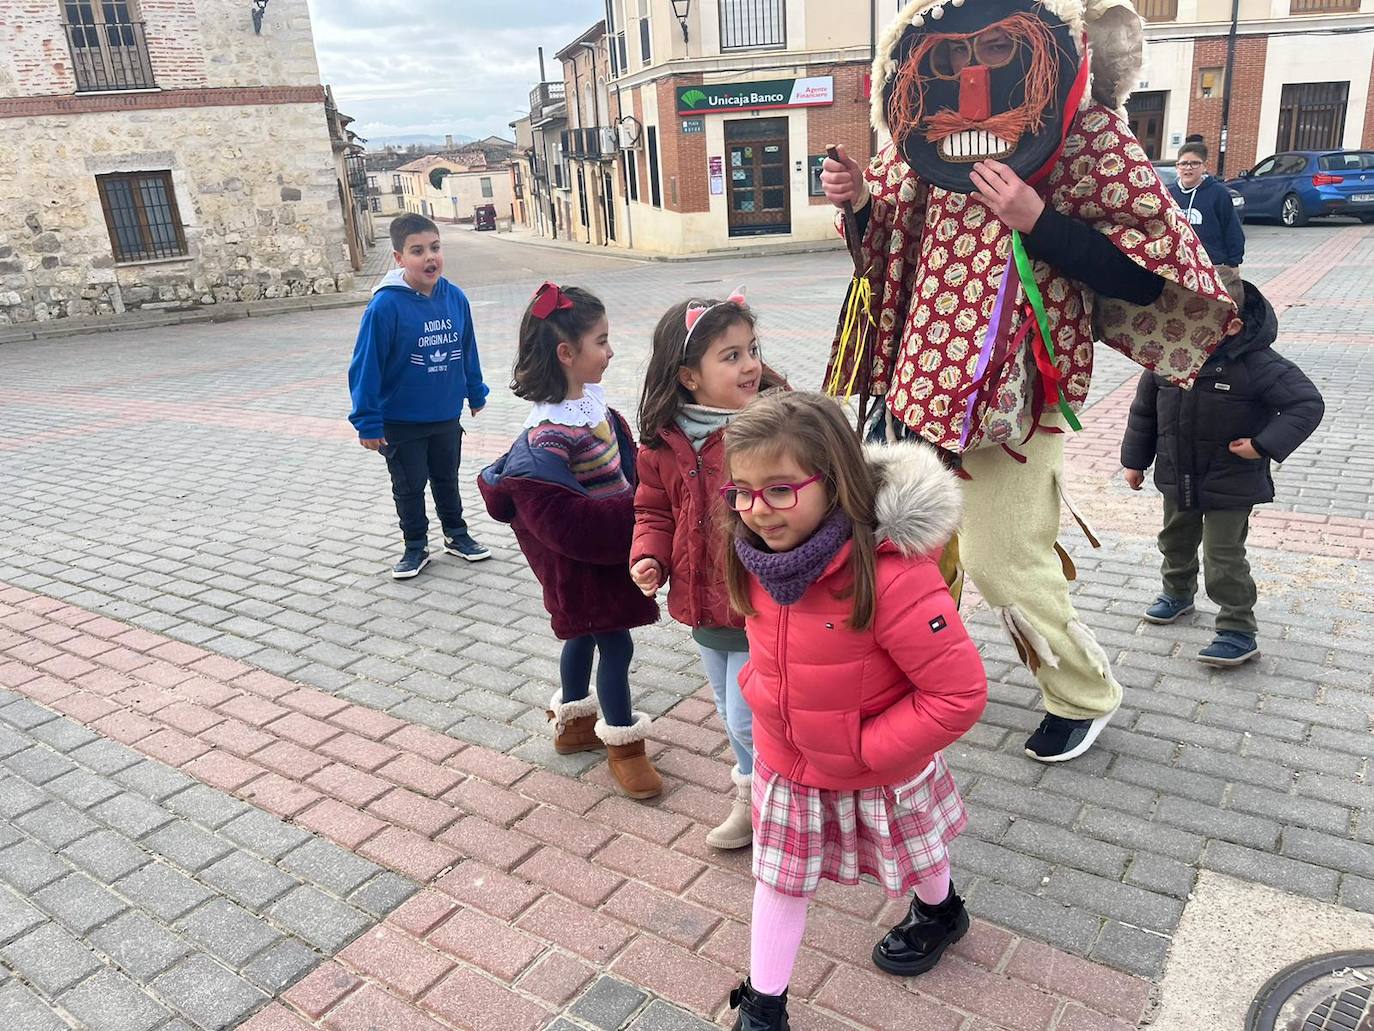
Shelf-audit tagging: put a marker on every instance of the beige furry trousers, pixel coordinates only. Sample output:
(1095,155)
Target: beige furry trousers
(1008,546)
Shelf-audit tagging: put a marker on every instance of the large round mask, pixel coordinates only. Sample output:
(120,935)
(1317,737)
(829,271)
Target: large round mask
(985,79)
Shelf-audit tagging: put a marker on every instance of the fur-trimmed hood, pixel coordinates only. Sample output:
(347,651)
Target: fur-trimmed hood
(1113,30)
(918,504)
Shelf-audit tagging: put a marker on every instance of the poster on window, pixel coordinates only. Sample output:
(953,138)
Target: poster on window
(716,168)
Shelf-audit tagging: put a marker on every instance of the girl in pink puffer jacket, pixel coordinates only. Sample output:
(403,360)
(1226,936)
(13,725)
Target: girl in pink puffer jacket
(860,673)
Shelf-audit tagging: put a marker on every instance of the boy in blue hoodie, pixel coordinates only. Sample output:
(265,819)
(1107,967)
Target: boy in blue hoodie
(414,365)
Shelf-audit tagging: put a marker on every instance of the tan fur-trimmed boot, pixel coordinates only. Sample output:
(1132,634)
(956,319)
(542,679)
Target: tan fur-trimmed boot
(574,725)
(630,766)
(738,829)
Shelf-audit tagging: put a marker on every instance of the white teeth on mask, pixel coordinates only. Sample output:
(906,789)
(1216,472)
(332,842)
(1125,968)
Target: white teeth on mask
(973,145)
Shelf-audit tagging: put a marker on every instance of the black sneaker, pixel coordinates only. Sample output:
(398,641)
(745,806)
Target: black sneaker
(1058,740)
(415,559)
(462,545)
(917,943)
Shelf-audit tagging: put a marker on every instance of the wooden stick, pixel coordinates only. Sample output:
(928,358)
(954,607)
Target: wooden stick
(851,222)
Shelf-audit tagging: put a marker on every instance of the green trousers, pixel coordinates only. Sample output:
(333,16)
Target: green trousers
(1007,545)
(1225,569)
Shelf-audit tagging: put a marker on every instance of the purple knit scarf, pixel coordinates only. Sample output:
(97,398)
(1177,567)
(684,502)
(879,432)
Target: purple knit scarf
(786,575)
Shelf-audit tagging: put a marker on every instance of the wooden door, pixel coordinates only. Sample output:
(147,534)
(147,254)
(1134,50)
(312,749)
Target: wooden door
(1145,112)
(757,180)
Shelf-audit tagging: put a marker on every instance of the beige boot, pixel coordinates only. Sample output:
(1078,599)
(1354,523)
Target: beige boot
(738,829)
(630,766)
(574,725)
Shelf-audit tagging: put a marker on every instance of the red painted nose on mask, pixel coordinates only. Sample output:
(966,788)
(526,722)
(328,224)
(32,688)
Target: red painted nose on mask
(974,101)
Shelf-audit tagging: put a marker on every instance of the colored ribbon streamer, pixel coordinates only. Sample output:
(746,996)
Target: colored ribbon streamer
(996,332)
(858,322)
(1049,370)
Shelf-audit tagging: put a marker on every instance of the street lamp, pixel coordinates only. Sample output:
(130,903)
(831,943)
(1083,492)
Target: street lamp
(259,9)
(682,8)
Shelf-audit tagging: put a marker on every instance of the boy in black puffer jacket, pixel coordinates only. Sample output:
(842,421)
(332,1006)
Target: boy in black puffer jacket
(1211,447)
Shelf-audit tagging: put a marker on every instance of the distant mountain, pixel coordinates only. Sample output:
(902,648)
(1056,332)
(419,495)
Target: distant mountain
(416,139)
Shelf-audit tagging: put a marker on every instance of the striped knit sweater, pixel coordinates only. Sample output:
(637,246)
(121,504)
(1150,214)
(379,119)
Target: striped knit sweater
(591,452)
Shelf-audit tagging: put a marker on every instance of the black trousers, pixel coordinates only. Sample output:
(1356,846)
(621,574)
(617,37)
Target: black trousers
(420,453)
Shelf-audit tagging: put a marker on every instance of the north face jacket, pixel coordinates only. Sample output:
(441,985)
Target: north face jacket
(1246,389)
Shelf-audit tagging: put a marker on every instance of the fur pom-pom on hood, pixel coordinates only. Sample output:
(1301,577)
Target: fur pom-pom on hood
(918,505)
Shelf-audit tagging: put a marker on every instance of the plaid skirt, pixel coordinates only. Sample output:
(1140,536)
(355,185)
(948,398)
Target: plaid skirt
(897,835)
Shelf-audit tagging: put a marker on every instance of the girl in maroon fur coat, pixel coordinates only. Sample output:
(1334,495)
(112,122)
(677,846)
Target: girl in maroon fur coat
(567,488)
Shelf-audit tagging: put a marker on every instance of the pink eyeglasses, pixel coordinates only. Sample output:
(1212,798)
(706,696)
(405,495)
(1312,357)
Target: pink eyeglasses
(777,496)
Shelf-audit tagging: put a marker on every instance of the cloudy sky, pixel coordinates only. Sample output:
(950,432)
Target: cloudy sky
(453,66)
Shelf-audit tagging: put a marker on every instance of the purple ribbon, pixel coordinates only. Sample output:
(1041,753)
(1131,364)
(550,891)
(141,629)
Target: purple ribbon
(998,327)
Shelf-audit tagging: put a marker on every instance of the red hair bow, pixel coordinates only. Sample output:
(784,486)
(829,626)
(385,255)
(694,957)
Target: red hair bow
(549,299)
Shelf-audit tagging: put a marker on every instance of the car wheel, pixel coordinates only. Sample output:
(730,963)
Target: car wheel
(1367,219)
(1292,214)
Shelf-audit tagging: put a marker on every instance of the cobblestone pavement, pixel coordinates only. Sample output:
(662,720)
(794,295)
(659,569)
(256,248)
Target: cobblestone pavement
(241,764)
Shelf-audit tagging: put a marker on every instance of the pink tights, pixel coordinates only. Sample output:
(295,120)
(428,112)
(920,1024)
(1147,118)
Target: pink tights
(780,921)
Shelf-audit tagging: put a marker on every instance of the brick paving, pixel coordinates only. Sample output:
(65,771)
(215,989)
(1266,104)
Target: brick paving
(195,554)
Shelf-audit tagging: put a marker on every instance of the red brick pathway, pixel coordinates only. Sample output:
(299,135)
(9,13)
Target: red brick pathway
(536,882)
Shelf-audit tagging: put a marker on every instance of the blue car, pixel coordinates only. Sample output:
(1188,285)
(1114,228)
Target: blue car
(1299,185)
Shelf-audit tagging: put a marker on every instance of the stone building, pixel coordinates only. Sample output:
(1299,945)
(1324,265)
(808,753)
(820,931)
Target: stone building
(162,154)
(1302,77)
(447,187)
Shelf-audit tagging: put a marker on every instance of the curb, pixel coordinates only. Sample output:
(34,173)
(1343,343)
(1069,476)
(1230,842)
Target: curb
(153,320)
(768,250)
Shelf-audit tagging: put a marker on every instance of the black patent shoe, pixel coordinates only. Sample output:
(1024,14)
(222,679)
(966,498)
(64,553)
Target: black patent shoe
(759,1012)
(917,943)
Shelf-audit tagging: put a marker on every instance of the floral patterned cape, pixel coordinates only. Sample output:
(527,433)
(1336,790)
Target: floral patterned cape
(936,258)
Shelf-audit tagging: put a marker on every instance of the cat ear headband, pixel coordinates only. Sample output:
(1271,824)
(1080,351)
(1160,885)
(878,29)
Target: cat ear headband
(696,311)
(549,299)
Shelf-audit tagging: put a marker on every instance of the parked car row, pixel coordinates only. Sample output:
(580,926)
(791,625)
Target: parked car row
(1298,185)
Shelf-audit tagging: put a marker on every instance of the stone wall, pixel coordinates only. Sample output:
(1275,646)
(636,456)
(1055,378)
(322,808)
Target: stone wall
(192,44)
(256,192)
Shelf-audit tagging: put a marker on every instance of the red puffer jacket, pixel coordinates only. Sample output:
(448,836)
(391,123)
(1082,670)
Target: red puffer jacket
(677,505)
(839,709)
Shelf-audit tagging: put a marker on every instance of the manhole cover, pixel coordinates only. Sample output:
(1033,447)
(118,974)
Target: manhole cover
(1327,993)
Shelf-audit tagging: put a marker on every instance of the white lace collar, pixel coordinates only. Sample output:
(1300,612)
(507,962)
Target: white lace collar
(587,410)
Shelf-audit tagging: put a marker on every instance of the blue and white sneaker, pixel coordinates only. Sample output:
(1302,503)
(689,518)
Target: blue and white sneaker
(462,545)
(1167,610)
(1229,648)
(416,557)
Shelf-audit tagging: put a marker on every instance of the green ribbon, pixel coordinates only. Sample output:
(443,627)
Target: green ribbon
(1042,322)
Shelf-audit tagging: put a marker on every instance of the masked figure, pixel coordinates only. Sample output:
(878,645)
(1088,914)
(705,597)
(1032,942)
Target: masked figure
(984,336)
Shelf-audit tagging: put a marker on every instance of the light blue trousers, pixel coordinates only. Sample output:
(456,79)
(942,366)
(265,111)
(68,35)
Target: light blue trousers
(722,669)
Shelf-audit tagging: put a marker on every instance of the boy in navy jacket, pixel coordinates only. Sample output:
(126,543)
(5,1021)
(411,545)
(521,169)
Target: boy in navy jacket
(414,365)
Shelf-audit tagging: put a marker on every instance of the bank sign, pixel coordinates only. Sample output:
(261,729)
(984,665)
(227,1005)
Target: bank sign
(754,96)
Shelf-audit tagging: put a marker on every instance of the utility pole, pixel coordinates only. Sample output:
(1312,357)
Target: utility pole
(1226,90)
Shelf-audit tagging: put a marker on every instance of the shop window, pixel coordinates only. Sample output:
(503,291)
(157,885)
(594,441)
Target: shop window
(1209,82)
(141,215)
(1312,115)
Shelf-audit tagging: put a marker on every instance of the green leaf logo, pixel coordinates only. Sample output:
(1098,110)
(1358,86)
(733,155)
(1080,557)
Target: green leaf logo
(693,98)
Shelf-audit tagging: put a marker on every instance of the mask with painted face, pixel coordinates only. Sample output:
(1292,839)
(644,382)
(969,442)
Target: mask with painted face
(963,81)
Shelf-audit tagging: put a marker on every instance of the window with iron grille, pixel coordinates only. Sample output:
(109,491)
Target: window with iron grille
(1312,115)
(752,23)
(141,214)
(107,44)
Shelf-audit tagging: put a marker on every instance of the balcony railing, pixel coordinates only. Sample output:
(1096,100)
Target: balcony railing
(745,24)
(357,173)
(110,57)
(1324,7)
(1157,10)
(545,95)
(582,143)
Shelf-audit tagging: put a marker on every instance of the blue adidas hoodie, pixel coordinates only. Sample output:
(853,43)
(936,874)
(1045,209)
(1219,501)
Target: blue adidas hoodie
(416,357)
